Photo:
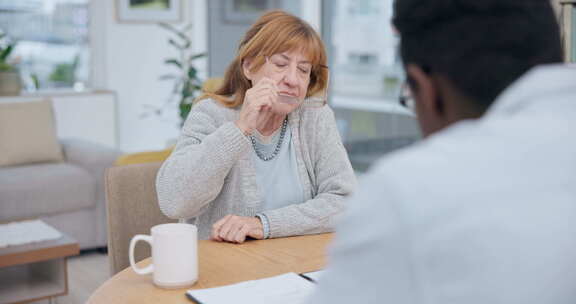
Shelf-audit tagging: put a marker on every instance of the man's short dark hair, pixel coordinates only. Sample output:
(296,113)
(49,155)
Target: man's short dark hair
(481,46)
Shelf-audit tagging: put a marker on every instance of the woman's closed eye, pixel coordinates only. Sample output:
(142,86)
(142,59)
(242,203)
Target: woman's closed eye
(304,70)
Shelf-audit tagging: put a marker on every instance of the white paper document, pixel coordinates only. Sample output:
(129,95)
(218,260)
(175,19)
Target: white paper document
(286,288)
(314,275)
(25,232)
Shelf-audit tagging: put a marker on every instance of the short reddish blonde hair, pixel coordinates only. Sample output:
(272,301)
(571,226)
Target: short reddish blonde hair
(274,32)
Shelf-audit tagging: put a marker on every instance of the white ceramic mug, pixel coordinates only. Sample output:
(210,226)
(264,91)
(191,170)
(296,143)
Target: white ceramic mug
(174,255)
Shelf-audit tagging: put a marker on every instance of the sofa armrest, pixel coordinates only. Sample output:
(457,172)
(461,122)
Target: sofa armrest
(93,157)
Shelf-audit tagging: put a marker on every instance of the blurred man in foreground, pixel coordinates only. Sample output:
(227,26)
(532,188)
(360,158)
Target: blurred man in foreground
(484,209)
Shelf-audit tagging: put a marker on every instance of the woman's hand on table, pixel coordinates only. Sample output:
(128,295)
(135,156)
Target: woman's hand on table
(235,229)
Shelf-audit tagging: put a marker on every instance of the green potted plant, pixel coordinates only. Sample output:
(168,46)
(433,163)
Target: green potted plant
(63,74)
(10,83)
(187,85)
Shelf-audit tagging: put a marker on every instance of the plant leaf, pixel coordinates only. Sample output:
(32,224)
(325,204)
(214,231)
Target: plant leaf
(173,62)
(196,56)
(187,27)
(168,77)
(169,27)
(185,110)
(192,72)
(175,44)
(177,87)
(186,90)
(179,33)
(186,86)
(6,52)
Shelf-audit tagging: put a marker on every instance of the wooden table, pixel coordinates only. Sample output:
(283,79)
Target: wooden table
(35,271)
(221,264)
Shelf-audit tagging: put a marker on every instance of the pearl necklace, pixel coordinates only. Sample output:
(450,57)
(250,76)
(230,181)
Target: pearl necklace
(278,145)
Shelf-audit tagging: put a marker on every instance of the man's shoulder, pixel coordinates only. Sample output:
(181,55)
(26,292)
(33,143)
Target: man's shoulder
(441,158)
(423,157)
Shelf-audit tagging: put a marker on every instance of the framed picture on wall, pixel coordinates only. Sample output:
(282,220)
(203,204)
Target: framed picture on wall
(245,11)
(142,11)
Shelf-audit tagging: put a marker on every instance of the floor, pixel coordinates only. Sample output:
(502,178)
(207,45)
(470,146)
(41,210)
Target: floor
(86,273)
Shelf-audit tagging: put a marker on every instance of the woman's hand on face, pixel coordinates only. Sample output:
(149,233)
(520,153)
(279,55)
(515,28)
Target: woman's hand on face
(257,102)
(235,229)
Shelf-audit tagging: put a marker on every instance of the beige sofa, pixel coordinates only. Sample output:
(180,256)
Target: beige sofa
(58,181)
(68,195)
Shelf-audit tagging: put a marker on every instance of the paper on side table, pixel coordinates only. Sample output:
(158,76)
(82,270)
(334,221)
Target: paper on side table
(25,232)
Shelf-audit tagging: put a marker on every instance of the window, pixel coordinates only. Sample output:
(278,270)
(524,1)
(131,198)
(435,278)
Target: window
(52,41)
(573,33)
(366,78)
(365,62)
(567,12)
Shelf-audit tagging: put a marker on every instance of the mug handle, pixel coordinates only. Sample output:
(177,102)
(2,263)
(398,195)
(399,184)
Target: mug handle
(135,239)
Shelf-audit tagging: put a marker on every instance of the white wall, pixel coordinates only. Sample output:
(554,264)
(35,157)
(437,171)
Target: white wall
(128,59)
(89,115)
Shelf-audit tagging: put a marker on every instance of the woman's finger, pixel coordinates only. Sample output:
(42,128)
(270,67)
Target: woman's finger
(265,81)
(256,100)
(214,235)
(227,227)
(242,233)
(267,87)
(217,226)
(272,100)
(257,97)
(235,226)
(260,88)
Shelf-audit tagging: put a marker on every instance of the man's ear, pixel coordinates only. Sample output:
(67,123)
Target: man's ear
(425,90)
(246,63)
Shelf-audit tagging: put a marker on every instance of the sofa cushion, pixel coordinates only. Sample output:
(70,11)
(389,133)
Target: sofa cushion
(44,189)
(28,134)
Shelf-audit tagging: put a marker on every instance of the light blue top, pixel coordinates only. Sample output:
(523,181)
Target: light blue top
(278,180)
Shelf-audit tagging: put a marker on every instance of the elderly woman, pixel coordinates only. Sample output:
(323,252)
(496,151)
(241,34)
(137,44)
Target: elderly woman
(255,159)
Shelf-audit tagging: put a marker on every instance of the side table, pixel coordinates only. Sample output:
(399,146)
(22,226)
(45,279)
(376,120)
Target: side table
(35,271)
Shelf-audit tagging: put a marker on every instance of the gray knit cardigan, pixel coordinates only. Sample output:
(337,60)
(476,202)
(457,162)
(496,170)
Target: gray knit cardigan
(211,172)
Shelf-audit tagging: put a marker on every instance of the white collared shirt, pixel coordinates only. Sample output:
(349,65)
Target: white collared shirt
(482,212)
